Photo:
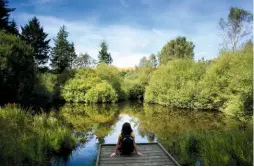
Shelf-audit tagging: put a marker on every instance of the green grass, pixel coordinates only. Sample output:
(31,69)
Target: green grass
(31,140)
(230,147)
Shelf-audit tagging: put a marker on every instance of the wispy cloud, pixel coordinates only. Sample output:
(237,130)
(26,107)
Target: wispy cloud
(127,44)
(132,28)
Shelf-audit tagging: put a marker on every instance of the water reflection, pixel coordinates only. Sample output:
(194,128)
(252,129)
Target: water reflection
(180,131)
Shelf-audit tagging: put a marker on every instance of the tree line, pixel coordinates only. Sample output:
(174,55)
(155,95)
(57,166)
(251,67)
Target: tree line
(170,77)
(27,55)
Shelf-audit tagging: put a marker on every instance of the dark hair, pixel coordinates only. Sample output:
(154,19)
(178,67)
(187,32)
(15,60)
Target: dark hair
(126,129)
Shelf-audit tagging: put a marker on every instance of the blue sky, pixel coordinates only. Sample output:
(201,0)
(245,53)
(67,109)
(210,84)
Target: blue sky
(132,28)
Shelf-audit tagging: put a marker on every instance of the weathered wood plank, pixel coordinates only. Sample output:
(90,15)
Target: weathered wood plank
(146,153)
(140,149)
(169,155)
(134,155)
(143,151)
(131,158)
(141,146)
(98,155)
(154,154)
(139,164)
(137,160)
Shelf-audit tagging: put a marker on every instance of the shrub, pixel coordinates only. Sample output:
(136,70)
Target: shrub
(74,90)
(112,75)
(102,92)
(44,91)
(175,83)
(227,85)
(136,81)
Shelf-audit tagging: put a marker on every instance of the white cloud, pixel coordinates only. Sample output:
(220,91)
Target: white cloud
(126,44)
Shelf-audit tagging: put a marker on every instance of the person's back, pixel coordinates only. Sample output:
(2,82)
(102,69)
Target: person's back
(126,141)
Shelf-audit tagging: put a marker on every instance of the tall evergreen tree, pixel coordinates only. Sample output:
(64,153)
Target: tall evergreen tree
(63,53)
(73,54)
(4,14)
(13,28)
(104,56)
(34,35)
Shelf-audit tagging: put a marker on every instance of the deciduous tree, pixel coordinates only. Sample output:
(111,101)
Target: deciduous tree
(177,48)
(236,28)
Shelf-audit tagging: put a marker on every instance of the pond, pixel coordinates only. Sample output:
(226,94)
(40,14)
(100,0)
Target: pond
(189,136)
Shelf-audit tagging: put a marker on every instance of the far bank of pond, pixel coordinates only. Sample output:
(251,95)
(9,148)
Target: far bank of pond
(210,137)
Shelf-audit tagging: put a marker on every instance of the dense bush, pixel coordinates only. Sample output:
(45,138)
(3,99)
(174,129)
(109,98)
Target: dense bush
(112,76)
(44,88)
(101,93)
(31,140)
(227,85)
(224,84)
(74,90)
(100,85)
(175,83)
(136,81)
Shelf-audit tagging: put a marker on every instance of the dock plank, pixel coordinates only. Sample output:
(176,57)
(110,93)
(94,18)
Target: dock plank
(154,154)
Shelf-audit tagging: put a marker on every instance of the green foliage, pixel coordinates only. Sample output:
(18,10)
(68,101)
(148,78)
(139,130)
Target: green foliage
(63,53)
(112,76)
(154,61)
(73,54)
(44,88)
(34,35)
(31,140)
(74,90)
(227,82)
(136,81)
(175,84)
(212,148)
(150,62)
(237,27)
(16,69)
(101,93)
(13,28)
(144,62)
(90,85)
(104,56)
(178,48)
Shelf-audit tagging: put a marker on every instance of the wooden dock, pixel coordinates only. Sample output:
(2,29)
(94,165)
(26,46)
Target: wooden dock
(154,155)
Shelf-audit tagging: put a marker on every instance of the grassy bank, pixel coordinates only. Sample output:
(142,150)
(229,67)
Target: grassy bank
(31,140)
(230,147)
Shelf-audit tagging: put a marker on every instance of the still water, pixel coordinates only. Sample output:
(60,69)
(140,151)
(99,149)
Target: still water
(189,136)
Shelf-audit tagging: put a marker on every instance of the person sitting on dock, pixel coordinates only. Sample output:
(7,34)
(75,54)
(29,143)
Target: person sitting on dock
(126,141)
